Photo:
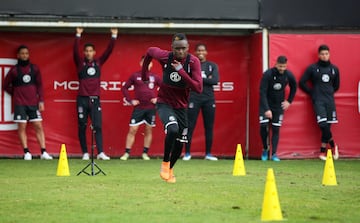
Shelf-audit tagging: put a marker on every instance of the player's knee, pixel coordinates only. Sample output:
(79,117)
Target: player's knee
(172,129)
(323,125)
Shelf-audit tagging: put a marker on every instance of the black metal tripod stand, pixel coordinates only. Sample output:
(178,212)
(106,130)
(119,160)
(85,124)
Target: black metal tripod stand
(92,164)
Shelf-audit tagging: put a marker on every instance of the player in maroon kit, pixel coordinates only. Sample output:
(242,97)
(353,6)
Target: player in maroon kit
(24,83)
(144,109)
(88,99)
(181,72)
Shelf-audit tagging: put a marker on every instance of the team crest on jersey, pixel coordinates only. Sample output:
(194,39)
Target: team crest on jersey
(175,77)
(151,85)
(26,78)
(91,71)
(325,78)
(277,86)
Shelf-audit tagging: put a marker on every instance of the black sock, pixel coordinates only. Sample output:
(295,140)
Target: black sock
(332,143)
(145,150)
(127,150)
(43,150)
(323,149)
(26,150)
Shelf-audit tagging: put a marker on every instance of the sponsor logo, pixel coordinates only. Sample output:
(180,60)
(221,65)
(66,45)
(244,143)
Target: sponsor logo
(325,78)
(175,77)
(26,78)
(6,113)
(91,71)
(277,86)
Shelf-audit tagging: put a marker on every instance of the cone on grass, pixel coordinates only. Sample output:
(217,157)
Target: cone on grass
(63,165)
(329,177)
(271,210)
(239,167)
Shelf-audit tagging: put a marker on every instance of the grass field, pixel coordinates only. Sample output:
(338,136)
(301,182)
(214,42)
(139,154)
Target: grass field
(205,191)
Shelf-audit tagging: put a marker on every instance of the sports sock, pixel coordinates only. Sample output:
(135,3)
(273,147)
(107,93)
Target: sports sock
(43,150)
(332,143)
(127,150)
(322,149)
(145,150)
(26,150)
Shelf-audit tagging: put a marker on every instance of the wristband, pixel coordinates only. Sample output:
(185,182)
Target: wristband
(178,67)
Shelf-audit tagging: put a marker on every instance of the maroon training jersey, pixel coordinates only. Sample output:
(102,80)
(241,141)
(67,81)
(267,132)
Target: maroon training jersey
(144,92)
(89,72)
(25,85)
(175,95)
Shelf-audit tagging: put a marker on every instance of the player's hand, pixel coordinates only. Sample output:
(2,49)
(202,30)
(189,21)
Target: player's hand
(285,105)
(41,106)
(176,65)
(135,102)
(153,100)
(79,30)
(268,114)
(114,31)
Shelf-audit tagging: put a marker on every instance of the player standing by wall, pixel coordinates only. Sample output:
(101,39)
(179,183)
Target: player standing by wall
(181,72)
(325,79)
(204,101)
(144,109)
(88,99)
(24,83)
(273,103)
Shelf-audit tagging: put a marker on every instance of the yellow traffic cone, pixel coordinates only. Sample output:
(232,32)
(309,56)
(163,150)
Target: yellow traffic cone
(271,210)
(239,167)
(329,177)
(63,165)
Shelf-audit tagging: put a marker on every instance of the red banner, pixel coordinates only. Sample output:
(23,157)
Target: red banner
(52,52)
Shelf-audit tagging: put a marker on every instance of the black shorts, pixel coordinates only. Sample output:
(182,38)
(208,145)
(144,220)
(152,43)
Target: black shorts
(24,113)
(140,116)
(89,107)
(325,111)
(277,117)
(169,115)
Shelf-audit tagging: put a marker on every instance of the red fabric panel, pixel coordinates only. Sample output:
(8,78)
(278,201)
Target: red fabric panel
(255,74)
(300,135)
(53,53)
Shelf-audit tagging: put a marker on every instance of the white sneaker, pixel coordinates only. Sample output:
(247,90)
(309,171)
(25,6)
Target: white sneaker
(45,156)
(102,156)
(125,156)
(211,157)
(336,152)
(27,156)
(85,156)
(187,157)
(145,156)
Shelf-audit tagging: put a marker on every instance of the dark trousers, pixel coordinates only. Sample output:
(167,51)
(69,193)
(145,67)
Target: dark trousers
(208,113)
(89,107)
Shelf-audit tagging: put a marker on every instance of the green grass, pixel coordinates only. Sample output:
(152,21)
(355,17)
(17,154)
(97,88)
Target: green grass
(205,191)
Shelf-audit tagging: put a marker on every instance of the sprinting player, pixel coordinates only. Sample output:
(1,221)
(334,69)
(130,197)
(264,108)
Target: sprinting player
(181,72)
(204,101)
(273,103)
(24,83)
(144,109)
(88,99)
(325,79)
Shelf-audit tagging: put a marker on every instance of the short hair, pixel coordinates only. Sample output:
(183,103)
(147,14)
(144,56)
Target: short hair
(200,44)
(179,36)
(281,60)
(323,47)
(89,45)
(21,47)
